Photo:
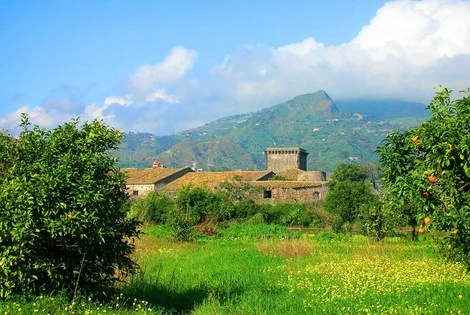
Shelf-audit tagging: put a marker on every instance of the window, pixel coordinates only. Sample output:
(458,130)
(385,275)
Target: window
(135,193)
(267,194)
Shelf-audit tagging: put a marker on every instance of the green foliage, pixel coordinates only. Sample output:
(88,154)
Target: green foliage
(375,220)
(153,208)
(61,201)
(348,192)
(288,214)
(427,173)
(347,172)
(238,190)
(195,205)
(257,231)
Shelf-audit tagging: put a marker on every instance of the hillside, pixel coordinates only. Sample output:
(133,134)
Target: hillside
(311,121)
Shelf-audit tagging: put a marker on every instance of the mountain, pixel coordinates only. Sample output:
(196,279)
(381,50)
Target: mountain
(310,121)
(383,109)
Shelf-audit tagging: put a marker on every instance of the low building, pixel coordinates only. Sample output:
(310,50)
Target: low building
(287,191)
(142,181)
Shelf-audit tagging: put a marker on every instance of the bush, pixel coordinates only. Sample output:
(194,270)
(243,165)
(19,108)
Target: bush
(245,209)
(374,219)
(153,208)
(290,214)
(195,205)
(62,216)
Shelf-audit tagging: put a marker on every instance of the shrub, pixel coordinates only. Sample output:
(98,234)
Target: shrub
(375,220)
(195,205)
(153,208)
(245,209)
(62,216)
(290,214)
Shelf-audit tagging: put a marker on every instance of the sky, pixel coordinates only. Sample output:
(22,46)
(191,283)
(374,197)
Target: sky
(169,65)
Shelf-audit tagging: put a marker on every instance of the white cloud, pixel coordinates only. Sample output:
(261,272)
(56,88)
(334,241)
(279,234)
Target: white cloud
(172,68)
(407,49)
(404,52)
(160,94)
(120,100)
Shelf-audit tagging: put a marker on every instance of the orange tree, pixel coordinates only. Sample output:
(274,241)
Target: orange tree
(62,222)
(426,170)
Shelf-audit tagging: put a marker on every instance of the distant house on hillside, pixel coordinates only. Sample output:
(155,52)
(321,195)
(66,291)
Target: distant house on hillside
(142,181)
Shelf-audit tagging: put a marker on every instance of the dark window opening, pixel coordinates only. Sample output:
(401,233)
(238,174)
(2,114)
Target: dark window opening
(135,193)
(267,194)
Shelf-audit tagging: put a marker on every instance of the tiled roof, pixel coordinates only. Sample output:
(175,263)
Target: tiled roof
(287,184)
(290,174)
(212,179)
(148,175)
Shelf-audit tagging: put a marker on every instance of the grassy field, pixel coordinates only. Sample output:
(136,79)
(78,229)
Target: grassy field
(244,272)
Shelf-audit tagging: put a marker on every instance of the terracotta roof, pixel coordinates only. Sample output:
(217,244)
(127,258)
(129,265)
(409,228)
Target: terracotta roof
(212,179)
(291,174)
(287,184)
(148,175)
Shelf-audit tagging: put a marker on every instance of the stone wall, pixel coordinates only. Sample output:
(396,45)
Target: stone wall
(293,194)
(280,159)
(139,190)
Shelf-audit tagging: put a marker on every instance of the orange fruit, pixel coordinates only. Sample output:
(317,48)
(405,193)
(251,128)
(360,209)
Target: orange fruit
(421,230)
(426,194)
(432,179)
(427,220)
(415,139)
(455,232)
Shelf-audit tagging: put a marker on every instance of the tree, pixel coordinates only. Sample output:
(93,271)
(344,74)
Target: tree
(427,173)
(62,222)
(347,192)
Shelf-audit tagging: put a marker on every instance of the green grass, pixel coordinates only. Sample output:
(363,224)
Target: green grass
(313,274)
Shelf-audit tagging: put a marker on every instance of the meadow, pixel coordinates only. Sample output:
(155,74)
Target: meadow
(268,270)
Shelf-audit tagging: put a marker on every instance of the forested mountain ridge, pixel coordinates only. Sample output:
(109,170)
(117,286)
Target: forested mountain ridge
(331,134)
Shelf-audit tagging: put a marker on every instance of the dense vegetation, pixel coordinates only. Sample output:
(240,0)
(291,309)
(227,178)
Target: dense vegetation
(197,210)
(61,219)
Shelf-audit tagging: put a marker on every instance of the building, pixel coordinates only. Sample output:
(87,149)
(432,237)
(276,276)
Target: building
(280,159)
(290,164)
(288,191)
(142,181)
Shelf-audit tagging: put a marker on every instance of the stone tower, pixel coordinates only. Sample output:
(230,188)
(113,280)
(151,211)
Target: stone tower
(280,159)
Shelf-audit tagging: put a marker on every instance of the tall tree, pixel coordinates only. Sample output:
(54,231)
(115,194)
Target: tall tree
(427,173)
(61,217)
(348,191)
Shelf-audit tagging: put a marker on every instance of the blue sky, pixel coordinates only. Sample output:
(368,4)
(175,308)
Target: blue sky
(165,66)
